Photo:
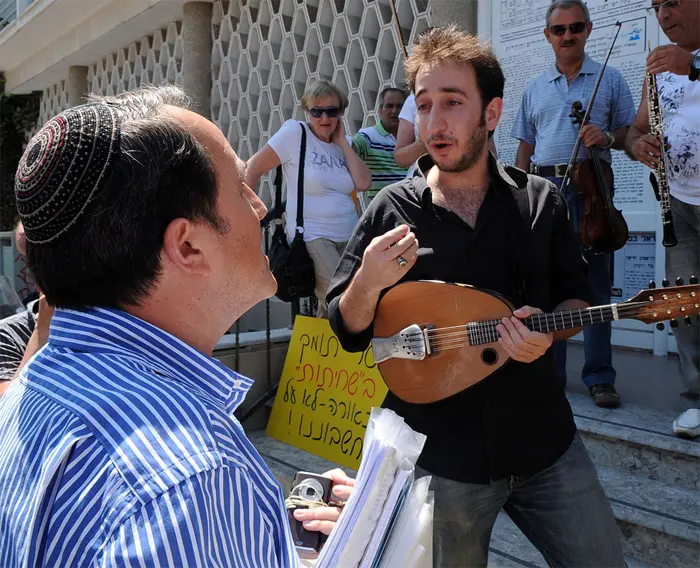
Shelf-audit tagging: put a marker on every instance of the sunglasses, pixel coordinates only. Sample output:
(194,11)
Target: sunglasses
(575,28)
(654,9)
(330,112)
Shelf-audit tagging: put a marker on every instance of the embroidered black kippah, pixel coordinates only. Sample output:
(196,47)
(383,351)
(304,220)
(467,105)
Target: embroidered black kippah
(62,167)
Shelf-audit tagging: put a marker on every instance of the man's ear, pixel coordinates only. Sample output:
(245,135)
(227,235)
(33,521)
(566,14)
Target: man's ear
(184,246)
(546,34)
(492,113)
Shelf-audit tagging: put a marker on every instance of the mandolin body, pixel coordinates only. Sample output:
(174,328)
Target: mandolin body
(443,373)
(420,364)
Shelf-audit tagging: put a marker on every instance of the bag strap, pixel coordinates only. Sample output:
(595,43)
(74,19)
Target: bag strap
(300,182)
(278,193)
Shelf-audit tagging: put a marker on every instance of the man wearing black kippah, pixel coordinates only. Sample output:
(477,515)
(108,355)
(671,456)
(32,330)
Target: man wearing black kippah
(119,446)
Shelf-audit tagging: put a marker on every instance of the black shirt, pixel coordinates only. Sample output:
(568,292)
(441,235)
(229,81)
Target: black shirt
(518,420)
(15,332)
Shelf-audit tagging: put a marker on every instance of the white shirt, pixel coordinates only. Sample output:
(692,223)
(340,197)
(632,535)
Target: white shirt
(679,98)
(408,113)
(329,211)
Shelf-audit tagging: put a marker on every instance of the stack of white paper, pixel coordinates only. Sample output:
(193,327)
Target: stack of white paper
(377,527)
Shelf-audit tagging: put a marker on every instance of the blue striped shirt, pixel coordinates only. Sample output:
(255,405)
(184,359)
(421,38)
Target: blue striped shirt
(543,118)
(119,448)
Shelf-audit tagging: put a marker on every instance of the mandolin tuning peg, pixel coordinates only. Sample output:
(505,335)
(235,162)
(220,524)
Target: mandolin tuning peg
(660,326)
(665,283)
(674,324)
(652,284)
(687,321)
(679,281)
(693,279)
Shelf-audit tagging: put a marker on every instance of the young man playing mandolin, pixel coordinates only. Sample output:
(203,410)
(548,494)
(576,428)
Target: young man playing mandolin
(508,442)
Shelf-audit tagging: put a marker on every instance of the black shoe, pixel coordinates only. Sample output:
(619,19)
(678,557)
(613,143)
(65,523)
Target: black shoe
(605,396)
(690,395)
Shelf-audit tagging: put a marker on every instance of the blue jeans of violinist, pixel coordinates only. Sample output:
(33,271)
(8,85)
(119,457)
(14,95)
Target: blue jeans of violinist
(597,368)
(562,510)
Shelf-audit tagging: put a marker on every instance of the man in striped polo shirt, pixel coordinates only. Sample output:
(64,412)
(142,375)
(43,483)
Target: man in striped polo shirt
(375,144)
(119,446)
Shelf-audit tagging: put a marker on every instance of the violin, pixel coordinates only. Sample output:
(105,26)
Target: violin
(602,228)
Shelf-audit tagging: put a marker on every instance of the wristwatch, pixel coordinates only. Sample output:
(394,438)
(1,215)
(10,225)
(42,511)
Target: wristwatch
(611,139)
(694,68)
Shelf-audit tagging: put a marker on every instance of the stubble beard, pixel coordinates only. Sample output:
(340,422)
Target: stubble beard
(476,146)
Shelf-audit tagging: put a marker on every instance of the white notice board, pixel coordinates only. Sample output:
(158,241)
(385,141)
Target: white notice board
(515,28)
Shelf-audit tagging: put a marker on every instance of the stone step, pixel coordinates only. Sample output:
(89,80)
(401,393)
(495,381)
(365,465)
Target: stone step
(637,440)
(659,522)
(510,548)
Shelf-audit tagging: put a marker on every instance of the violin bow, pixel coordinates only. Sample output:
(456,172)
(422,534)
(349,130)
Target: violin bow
(586,116)
(398,28)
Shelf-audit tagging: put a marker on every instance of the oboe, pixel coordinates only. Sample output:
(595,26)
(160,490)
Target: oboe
(659,177)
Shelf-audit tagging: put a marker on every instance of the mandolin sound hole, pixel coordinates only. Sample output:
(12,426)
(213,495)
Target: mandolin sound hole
(489,356)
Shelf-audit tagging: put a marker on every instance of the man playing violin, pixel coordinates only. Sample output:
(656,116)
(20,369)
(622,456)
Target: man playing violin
(677,70)
(508,442)
(547,138)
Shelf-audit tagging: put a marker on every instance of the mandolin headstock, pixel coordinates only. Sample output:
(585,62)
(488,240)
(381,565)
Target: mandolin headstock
(656,305)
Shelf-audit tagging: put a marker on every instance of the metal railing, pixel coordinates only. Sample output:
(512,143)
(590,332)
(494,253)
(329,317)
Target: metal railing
(8,12)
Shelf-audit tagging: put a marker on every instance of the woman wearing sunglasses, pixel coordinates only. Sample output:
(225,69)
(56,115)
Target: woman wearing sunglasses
(332,170)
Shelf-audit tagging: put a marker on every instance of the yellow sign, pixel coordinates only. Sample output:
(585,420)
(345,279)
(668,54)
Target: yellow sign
(325,394)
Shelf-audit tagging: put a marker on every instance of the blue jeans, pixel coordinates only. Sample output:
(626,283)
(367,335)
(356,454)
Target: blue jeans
(597,368)
(562,510)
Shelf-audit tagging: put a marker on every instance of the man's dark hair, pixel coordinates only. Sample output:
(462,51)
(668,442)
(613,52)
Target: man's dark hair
(452,45)
(390,90)
(110,257)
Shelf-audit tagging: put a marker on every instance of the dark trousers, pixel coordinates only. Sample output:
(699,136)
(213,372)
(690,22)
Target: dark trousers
(562,510)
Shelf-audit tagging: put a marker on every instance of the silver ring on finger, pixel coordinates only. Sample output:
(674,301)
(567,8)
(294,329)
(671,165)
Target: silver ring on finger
(401,261)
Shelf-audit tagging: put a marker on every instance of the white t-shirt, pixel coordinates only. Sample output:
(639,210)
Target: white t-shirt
(408,113)
(679,98)
(329,211)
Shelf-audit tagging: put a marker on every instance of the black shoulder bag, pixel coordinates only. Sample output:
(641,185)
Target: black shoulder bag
(291,265)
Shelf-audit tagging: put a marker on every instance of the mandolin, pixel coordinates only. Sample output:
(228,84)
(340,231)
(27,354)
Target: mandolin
(435,339)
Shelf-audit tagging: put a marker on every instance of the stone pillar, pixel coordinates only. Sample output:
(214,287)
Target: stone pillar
(463,13)
(77,85)
(196,55)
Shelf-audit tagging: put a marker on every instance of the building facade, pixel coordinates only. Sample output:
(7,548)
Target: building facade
(246,63)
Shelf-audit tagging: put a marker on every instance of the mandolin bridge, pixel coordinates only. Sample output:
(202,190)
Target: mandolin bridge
(409,343)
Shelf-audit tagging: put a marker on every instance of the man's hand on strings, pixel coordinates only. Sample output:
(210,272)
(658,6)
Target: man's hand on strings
(519,342)
(591,135)
(323,519)
(669,58)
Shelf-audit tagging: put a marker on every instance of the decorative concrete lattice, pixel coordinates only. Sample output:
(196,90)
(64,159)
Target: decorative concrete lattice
(153,60)
(54,100)
(266,52)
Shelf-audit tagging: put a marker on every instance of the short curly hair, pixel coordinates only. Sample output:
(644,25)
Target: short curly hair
(441,45)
